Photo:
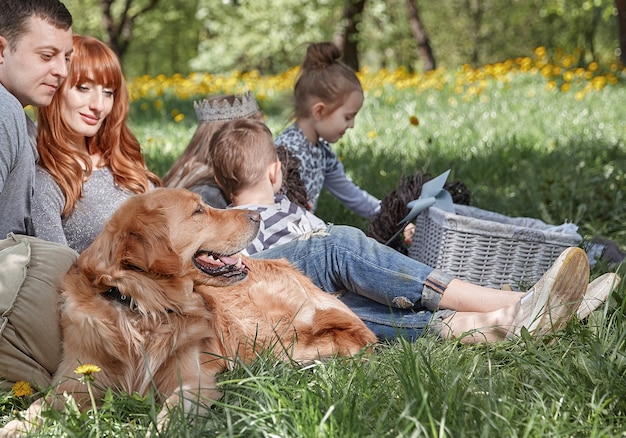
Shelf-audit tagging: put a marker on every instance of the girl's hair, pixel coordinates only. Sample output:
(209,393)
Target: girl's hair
(93,61)
(323,77)
(241,151)
(194,166)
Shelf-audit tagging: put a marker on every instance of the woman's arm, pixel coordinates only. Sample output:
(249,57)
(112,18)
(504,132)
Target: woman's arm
(47,205)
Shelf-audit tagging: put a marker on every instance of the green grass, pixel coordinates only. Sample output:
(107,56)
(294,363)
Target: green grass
(573,387)
(522,150)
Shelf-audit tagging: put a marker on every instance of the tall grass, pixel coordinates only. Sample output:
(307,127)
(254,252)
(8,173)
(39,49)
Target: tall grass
(523,147)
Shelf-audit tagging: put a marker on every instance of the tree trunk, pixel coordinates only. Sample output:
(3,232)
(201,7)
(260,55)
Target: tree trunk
(347,41)
(120,33)
(419,33)
(475,11)
(621,27)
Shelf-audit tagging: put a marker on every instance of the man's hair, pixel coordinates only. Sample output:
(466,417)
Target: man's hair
(15,14)
(241,150)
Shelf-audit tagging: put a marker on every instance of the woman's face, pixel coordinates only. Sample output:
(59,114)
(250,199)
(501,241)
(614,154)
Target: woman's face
(85,106)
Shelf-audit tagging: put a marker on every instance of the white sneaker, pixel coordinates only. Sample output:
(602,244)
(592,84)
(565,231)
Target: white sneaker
(552,301)
(597,293)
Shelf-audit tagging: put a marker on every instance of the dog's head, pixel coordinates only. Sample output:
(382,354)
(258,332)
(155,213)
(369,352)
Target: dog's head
(167,235)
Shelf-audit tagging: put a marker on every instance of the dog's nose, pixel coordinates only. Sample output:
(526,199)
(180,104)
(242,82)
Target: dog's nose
(254,216)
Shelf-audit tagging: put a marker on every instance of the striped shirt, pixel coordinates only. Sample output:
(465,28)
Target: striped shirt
(281,223)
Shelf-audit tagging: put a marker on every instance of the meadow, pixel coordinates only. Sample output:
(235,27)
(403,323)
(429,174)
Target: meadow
(539,136)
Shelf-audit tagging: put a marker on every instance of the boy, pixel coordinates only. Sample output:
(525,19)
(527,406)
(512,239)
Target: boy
(393,294)
(251,178)
(35,48)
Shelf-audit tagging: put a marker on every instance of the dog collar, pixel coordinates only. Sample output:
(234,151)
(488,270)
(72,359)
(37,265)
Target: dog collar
(115,295)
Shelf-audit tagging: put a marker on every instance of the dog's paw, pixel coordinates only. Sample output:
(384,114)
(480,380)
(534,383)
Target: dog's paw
(14,428)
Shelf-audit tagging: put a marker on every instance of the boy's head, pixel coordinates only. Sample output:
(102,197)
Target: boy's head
(35,48)
(242,151)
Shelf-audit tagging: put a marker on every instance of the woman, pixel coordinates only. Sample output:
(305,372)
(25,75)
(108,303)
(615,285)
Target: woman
(89,161)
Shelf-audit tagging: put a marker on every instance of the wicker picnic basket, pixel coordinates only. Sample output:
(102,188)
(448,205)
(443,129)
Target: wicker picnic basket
(488,248)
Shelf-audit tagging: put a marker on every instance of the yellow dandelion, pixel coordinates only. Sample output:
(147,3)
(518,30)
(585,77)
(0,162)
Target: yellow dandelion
(22,389)
(372,134)
(414,121)
(598,83)
(179,117)
(540,52)
(87,369)
(567,61)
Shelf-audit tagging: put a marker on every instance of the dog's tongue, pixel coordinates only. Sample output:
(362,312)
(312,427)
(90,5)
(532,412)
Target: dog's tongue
(229,260)
(220,261)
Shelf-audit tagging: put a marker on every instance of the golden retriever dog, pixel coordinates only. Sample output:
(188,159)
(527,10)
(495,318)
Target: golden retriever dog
(162,298)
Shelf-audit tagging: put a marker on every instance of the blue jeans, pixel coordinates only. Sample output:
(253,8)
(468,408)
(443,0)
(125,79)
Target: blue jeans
(393,294)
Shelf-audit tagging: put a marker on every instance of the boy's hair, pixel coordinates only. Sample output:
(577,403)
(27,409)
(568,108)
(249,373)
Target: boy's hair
(241,150)
(15,14)
(323,77)
(194,167)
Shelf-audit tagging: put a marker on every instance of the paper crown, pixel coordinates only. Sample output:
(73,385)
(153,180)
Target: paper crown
(221,110)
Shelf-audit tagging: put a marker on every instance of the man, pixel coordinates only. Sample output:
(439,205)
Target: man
(35,48)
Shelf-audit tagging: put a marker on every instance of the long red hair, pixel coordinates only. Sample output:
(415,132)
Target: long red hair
(121,152)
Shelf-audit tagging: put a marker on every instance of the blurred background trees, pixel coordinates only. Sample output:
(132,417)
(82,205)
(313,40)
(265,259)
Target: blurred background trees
(219,36)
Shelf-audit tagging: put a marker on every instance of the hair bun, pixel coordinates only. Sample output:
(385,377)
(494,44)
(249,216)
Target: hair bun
(320,55)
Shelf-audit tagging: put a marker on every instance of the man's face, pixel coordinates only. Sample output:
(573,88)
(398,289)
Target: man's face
(36,67)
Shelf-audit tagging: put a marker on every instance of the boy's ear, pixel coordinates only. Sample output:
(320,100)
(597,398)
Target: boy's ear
(318,110)
(3,46)
(274,171)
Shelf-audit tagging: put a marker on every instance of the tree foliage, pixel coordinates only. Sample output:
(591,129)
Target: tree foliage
(164,39)
(220,36)
(249,34)
(119,21)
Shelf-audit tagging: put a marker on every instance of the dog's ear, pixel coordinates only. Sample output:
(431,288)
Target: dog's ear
(147,246)
(139,241)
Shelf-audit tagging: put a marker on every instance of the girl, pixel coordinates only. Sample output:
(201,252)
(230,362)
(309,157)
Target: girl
(328,96)
(89,161)
(193,170)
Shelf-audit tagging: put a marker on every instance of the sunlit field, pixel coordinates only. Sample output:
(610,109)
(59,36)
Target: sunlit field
(541,136)
(537,136)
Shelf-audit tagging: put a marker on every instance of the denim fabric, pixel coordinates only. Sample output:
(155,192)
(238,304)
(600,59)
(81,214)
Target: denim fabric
(383,287)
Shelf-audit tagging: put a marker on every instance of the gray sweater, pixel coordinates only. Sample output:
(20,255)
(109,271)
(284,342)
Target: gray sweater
(101,197)
(18,155)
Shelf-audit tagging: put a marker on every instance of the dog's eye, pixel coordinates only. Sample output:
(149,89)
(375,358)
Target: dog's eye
(199,210)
